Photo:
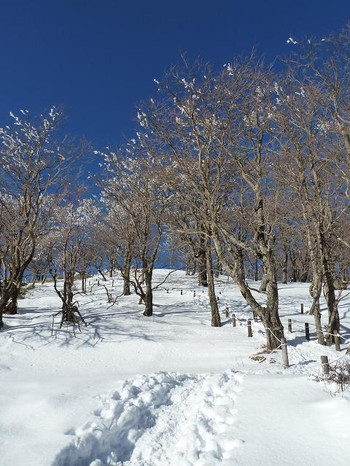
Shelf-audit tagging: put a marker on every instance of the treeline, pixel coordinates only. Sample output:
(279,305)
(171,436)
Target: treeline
(244,170)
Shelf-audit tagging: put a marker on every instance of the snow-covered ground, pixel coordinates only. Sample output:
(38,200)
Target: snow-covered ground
(168,389)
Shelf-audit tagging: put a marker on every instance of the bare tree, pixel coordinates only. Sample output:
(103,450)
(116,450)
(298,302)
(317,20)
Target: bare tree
(134,187)
(215,130)
(32,163)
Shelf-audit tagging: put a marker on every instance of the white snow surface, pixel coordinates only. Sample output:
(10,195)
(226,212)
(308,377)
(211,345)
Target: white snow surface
(130,390)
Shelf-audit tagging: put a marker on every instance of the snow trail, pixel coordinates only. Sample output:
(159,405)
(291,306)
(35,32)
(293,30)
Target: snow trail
(164,418)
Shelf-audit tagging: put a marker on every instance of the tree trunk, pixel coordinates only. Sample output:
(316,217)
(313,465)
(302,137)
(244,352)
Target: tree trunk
(264,282)
(148,298)
(256,270)
(285,269)
(83,282)
(126,273)
(268,314)
(188,262)
(333,325)
(202,265)
(215,314)
(9,298)
(315,292)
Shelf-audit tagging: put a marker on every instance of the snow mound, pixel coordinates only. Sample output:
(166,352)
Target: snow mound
(164,418)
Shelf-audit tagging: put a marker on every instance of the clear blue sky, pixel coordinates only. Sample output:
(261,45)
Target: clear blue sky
(99,57)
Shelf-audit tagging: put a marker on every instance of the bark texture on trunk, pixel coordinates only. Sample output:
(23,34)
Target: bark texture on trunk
(215,314)
(126,273)
(148,296)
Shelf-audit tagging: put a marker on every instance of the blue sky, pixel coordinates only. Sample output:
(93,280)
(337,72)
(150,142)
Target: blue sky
(99,57)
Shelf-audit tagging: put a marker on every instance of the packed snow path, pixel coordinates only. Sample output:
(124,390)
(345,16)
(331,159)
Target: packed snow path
(213,419)
(162,419)
(193,409)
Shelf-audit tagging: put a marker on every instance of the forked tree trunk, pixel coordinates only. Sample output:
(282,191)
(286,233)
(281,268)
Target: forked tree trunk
(269,313)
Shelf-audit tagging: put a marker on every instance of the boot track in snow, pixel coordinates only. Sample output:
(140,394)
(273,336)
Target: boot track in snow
(161,419)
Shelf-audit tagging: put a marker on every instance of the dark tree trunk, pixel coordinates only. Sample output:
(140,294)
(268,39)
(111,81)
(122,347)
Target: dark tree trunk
(188,262)
(202,264)
(256,270)
(9,298)
(148,296)
(83,282)
(285,269)
(102,274)
(126,273)
(218,269)
(215,314)
(333,325)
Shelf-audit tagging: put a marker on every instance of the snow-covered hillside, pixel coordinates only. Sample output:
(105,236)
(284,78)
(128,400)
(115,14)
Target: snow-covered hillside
(168,389)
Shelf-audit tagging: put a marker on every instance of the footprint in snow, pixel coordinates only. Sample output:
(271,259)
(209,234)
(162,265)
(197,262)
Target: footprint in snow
(165,418)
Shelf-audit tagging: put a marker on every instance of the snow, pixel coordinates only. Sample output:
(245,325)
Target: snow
(169,389)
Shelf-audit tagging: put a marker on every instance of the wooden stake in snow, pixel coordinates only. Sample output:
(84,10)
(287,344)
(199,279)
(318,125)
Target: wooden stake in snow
(250,332)
(234,323)
(227,312)
(337,341)
(194,293)
(325,365)
(301,308)
(307,331)
(284,353)
(290,326)
(181,292)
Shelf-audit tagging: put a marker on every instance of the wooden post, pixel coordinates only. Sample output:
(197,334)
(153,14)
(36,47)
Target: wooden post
(301,308)
(250,333)
(307,331)
(337,342)
(180,291)
(325,365)
(234,322)
(98,282)
(227,312)
(194,293)
(284,353)
(290,326)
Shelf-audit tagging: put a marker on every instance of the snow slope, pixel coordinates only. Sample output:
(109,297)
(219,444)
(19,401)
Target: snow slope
(165,390)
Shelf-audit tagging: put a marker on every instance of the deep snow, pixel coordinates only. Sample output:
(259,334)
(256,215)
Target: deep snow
(169,389)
